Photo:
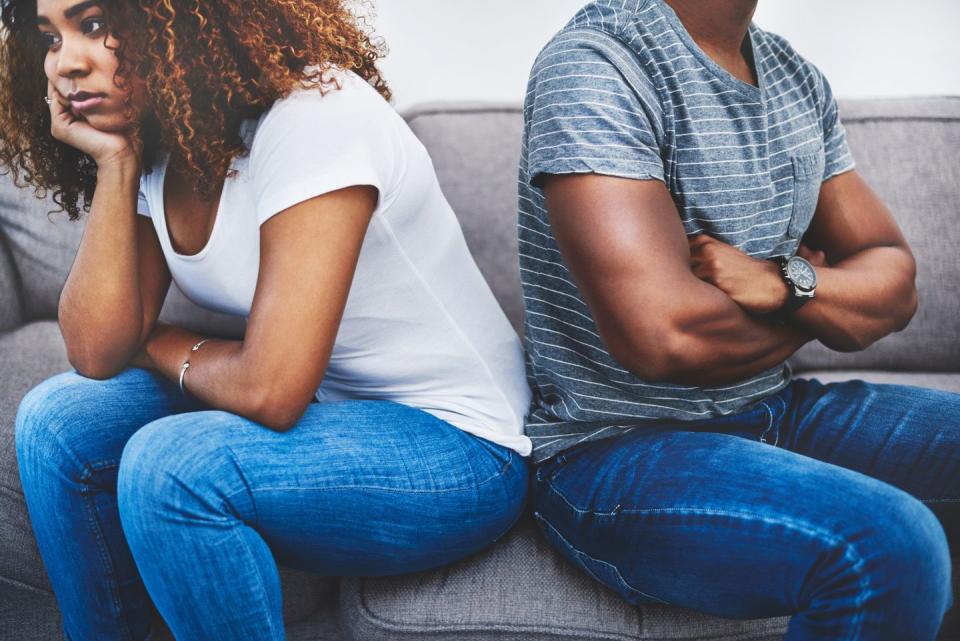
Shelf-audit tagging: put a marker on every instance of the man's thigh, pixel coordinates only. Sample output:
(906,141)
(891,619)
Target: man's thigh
(906,436)
(729,525)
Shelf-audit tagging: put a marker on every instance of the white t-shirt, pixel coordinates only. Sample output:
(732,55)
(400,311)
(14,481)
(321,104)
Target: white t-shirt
(421,326)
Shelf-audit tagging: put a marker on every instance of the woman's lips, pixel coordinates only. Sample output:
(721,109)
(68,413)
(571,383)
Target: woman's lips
(87,103)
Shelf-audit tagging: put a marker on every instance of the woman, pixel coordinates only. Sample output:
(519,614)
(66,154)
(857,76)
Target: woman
(272,180)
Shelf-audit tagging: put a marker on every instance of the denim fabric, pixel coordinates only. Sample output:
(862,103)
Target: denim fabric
(836,503)
(136,493)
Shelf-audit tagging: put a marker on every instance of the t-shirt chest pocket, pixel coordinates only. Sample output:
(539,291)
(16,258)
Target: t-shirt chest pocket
(807,175)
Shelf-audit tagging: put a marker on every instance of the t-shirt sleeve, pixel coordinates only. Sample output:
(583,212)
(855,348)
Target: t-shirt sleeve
(310,144)
(838,158)
(590,109)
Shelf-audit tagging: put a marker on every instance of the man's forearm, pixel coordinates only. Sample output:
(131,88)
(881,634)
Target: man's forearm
(724,344)
(709,340)
(861,299)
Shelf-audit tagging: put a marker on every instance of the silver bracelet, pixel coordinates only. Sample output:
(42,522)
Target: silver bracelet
(186,364)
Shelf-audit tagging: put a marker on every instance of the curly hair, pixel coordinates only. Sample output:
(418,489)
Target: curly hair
(207,66)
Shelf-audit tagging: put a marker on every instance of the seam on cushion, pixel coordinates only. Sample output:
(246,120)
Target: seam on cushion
(773,624)
(806,528)
(25,586)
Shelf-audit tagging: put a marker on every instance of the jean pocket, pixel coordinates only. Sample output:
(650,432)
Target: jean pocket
(601,571)
(807,175)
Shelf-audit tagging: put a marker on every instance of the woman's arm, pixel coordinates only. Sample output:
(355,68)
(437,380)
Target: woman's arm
(308,255)
(100,309)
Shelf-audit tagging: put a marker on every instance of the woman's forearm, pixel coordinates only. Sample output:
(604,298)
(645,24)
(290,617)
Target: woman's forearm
(100,310)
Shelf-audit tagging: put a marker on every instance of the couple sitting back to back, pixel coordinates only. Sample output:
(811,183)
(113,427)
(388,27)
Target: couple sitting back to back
(689,216)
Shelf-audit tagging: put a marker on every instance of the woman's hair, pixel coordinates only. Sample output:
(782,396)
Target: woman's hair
(207,65)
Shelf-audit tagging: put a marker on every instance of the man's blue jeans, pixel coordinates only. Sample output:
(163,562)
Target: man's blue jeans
(210,502)
(833,502)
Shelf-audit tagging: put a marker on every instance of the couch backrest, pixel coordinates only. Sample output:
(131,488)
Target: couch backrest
(907,149)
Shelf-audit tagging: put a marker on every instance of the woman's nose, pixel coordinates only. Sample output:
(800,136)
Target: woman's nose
(72,59)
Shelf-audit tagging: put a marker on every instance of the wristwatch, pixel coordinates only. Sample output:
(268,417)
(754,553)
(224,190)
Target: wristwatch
(801,280)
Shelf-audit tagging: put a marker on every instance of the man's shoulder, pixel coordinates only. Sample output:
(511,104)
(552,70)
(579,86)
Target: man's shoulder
(783,54)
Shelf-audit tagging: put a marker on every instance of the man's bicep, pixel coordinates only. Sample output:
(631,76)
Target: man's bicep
(849,218)
(624,244)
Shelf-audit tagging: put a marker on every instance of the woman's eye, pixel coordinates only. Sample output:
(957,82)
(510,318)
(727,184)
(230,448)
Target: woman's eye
(93,25)
(49,40)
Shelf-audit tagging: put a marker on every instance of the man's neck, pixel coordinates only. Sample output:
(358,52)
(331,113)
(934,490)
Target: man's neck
(718,26)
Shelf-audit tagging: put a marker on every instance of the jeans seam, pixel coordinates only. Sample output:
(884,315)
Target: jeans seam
(246,484)
(105,559)
(763,436)
(86,473)
(616,570)
(398,490)
(805,528)
(263,582)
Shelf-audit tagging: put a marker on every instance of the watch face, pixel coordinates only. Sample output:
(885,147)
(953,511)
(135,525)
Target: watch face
(802,273)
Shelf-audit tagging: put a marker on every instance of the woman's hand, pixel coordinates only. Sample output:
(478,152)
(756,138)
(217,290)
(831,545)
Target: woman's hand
(73,129)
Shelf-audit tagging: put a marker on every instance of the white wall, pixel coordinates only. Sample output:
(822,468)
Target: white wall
(466,50)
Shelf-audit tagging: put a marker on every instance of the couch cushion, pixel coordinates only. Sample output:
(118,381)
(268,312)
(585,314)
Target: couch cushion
(521,589)
(476,151)
(947,381)
(11,308)
(908,150)
(30,355)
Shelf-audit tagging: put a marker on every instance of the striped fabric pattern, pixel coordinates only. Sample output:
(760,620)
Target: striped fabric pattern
(623,90)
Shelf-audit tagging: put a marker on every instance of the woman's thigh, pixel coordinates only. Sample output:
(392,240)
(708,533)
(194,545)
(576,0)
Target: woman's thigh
(353,488)
(738,528)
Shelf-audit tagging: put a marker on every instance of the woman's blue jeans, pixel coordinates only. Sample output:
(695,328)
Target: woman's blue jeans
(833,503)
(137,492)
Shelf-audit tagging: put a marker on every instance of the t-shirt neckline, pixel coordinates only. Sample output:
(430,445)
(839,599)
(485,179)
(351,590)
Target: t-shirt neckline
(163,218)
(754,92)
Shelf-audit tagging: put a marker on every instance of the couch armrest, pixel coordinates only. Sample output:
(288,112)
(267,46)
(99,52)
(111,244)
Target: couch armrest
(11,303)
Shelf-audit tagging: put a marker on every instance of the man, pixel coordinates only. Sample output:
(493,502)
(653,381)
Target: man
(690,216)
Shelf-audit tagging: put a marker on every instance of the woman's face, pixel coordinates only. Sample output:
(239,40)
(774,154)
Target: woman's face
(81,65)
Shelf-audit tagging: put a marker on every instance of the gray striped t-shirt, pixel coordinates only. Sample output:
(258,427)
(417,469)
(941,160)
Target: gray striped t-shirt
(624,90)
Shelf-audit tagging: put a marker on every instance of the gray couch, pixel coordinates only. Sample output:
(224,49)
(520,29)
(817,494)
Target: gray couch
(518,588)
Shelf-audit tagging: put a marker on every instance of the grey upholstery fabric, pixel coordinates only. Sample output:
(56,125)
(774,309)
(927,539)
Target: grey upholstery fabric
(11,309)
(947,381)
(519,589)
(907,151)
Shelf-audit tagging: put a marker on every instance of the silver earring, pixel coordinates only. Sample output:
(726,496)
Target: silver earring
(47,100)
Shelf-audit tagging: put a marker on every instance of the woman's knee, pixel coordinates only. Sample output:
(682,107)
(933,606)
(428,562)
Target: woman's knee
(49,416)
(180,463)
